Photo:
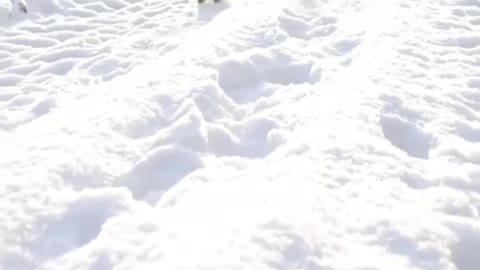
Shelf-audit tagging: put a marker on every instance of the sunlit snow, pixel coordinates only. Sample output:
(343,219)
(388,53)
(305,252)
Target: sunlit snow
(248,134)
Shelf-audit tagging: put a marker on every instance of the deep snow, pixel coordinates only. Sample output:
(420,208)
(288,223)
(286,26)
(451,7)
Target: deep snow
(253,134)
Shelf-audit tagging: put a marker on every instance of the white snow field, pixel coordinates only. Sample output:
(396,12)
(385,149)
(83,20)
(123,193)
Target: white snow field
(250,134)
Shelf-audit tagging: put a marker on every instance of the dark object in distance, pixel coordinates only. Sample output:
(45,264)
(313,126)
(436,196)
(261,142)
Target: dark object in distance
(201,1)
(22,7)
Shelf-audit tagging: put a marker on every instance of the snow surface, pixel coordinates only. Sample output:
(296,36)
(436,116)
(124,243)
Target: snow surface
(253,134)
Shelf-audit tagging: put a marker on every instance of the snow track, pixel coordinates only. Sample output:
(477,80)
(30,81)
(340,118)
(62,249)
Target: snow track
(255,134)
(60,47)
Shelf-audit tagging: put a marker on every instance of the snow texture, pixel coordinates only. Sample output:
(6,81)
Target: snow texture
(247,134)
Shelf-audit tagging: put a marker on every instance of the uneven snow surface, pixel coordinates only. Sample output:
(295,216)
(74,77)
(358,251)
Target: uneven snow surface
(251,134)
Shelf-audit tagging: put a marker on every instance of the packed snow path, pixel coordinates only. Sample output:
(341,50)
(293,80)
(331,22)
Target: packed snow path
(254,134)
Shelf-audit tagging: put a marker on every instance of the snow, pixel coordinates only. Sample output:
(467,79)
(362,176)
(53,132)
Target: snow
(250,134)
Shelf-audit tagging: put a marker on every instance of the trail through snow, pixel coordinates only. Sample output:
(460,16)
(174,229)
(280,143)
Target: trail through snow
(250,134)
